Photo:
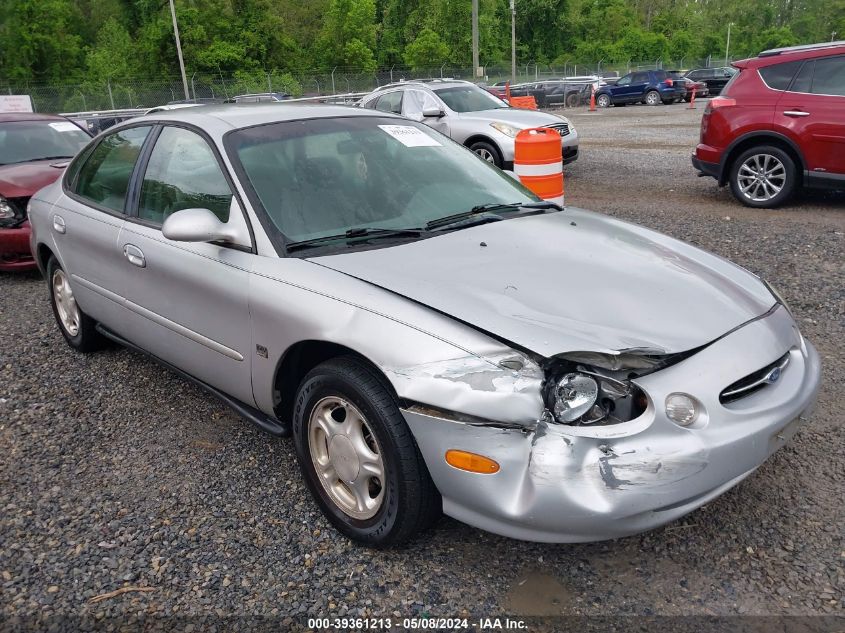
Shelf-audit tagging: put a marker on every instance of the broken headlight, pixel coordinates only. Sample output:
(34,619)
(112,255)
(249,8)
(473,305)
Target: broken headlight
(578,394)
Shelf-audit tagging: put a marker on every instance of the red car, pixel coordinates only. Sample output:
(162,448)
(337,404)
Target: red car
(34,150)
(778,125)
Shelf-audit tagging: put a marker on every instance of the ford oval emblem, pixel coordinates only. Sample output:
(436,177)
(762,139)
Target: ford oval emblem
(773,376)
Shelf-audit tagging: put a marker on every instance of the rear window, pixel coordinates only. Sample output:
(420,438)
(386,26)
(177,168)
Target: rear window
(779,76)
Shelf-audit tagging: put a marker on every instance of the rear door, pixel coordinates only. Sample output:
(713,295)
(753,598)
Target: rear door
(813,110)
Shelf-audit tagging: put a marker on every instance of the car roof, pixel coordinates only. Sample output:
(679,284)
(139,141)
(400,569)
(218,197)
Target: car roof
(822,46)
(222,118)
(792,53)
(6,117)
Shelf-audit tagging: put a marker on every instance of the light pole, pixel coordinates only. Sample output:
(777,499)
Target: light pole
(474,38)
(728,45)
(179,50)
(513,41)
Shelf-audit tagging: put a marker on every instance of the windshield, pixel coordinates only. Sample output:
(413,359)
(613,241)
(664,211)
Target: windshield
(469,99)
(25,141)
(322,177)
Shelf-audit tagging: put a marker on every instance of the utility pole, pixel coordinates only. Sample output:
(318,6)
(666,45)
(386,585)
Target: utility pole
(728,45)
(179,50)
(513,41)
(475,61)
(833,36)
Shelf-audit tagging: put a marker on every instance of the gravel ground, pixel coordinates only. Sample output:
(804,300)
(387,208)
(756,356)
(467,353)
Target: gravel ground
(116,473)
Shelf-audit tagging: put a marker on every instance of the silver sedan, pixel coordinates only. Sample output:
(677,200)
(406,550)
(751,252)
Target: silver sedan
(434,336)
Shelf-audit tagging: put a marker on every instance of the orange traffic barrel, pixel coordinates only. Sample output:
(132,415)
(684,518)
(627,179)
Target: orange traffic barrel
(538,161)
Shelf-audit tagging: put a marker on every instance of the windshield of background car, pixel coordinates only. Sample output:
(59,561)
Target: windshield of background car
(26,141)
(322,177)
(469,99)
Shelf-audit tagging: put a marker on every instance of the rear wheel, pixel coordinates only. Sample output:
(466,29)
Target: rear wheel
(358,456)
(488,152)
(652,98)
(603,101)
(77,327)
(573,100)
(763,177)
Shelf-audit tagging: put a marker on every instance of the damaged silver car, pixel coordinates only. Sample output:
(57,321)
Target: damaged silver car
(434,336)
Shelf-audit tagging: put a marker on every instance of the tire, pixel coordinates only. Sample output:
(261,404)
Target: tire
(77,327)
(573,100)
(365,427)
(774,165)
(652,98)
(603,101)
(488,152)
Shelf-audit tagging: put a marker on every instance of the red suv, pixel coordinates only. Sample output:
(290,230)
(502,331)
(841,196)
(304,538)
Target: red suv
(778,125)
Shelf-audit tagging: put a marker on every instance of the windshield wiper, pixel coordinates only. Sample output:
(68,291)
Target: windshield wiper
(32,160)
(490,207)
(367,232)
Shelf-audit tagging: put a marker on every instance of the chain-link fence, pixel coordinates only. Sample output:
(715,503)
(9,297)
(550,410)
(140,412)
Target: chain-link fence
(115,94)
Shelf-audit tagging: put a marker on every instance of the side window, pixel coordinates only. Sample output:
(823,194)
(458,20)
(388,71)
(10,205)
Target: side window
(416,102)
(829,78)
(695,75)
(371,104)
(391,102)
(779,76)
(803,81)
(104,178)
(183,173)
(624,81)
(639,78)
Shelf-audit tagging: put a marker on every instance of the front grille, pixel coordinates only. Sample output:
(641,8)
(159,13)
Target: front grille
(753,383)
(562,128)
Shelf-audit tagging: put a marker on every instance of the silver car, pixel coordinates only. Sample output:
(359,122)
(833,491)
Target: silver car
(471,116)
(435,337)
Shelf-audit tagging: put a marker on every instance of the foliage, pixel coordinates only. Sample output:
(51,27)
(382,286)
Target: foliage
(106,42)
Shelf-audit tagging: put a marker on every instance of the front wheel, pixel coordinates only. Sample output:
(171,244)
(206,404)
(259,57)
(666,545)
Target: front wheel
(603,101)
(653,98)
(358,456)
(77,327)
(763,177)
(488,152)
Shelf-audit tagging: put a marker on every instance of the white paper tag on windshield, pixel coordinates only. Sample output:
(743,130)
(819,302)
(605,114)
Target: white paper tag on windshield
(410,136)
(64,126)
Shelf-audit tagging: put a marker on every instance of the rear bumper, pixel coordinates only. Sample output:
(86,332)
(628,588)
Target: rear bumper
(705,168)
(15,253)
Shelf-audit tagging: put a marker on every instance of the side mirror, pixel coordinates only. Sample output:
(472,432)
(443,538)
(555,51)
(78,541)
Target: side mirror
(197,225)
(433,113)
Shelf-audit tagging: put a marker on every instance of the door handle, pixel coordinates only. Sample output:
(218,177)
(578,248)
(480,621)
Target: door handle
(59,224)
(135,255)
(796,113)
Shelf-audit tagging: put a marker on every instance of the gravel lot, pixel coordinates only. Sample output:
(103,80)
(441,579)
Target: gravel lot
(115,472)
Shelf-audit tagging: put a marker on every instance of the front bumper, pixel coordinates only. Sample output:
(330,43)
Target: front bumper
(560,483)
(15,254)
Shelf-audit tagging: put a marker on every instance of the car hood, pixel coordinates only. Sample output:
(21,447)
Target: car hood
(24,179)
(569,281)
(515,116)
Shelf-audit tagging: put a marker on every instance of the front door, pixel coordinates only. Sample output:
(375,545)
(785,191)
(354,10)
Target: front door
(188,302)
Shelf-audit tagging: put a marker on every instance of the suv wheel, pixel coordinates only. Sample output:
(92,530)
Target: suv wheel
(488,152)
(763,177)
(652,98)
(358,456)
(603,101)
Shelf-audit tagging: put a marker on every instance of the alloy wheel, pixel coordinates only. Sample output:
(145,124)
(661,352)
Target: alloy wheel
(486,155)
(65,303)
(761,177)
(652,98)
(346,457)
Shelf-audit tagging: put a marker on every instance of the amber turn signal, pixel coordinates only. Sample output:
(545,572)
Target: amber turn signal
(471,462)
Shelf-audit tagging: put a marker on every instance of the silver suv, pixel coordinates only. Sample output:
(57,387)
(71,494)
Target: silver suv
(469,115)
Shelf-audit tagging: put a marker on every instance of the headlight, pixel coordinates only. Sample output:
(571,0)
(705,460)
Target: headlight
(7,211)
(778,297)
(507,130)
(575,395)
(681,409)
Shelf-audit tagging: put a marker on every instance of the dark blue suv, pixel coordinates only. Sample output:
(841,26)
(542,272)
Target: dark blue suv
(651,87)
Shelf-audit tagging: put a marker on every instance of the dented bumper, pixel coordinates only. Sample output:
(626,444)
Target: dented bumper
(560,483)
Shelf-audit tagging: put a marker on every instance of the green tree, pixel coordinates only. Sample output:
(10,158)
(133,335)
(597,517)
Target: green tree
(112,56)
(348,34)
(427,51)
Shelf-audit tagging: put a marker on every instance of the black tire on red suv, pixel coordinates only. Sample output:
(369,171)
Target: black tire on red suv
(763,177)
